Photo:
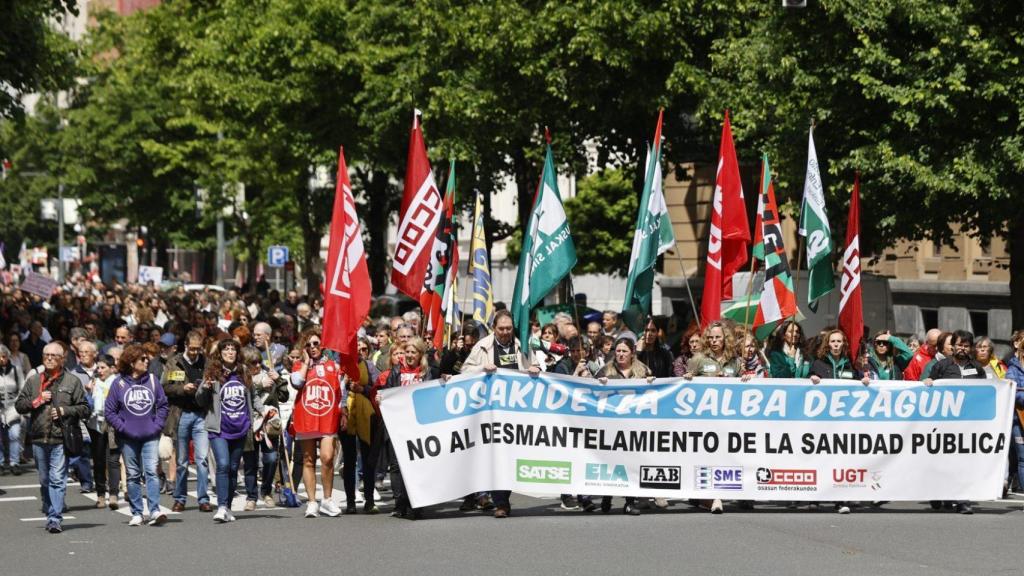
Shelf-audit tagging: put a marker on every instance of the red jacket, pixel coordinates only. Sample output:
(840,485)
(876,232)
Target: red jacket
(922,357)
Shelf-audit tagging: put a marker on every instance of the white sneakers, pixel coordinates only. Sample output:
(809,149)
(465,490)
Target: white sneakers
(312,509)
(329,508)
(842,509)
(661,502)
(136,520)
(159,520)
(716,507)
(223,515)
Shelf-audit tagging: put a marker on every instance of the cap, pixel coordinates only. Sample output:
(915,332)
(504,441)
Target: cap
(168,339)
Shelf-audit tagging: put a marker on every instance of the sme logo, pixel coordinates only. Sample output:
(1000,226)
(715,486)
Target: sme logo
(718,478)
(544,471)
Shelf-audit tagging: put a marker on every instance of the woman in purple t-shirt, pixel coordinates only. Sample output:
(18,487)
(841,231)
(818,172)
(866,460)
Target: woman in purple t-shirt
(226,392)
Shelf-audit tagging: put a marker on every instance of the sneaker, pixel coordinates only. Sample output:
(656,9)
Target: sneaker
(87,490)
(101,502)
(589,506)
(250,505)
(501,512)
(661,502)
(16,470)
(606,505)
(631,509)
(370,509)
(112,503)
(351,508)
(329,508)
(230,516)
(136,520)
(268,501)
(716,506)
(569,503)
(966,509)
(842,509)
(312,510)
(54,527)
(221,515)
(159,520)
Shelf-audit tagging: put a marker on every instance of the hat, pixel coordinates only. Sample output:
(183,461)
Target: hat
(168,339)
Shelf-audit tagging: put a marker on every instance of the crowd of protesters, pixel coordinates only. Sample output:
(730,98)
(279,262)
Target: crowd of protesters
(124,387)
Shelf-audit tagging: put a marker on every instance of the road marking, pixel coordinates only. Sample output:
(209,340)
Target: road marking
(17,498)
(43,519)
(124,508)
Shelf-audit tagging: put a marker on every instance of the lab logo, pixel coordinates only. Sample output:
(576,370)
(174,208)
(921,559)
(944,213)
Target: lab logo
(544,471)
(718,478)
(661,477)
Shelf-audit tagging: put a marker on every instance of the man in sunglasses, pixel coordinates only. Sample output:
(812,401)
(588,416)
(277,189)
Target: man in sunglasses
(186,420)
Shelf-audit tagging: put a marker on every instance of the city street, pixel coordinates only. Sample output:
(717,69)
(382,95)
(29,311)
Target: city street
(540,538)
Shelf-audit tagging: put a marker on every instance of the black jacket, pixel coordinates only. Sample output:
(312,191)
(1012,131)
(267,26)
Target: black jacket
(826,368)
(67,393)
(659,360)
(948,368)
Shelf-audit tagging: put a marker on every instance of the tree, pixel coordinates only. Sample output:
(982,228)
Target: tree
(923,98)
(34,56)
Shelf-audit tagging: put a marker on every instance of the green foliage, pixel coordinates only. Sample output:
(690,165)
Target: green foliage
(602,216)
(33,55)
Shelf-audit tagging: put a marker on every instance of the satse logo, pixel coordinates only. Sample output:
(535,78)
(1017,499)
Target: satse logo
(661,477)
(544,471)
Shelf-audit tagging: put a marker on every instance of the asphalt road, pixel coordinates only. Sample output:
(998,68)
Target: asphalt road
(539,539)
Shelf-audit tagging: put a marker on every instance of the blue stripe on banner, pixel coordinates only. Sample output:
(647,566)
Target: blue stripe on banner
(508,391)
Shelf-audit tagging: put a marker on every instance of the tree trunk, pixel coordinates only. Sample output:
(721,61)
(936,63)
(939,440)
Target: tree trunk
(1016,246)
(526,186)
(377,217)
(310,233)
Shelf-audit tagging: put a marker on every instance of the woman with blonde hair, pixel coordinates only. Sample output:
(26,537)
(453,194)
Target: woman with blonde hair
(718,355)
(413,370)
(985,354)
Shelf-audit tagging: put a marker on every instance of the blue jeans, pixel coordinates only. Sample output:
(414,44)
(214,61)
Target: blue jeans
(53,478)
(228,455)
(192,426)
(1018,445)
(11,437)
(140,459)
(251,462)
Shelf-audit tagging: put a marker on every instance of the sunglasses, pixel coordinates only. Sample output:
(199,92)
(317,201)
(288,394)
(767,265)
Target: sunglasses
(312,344)
(881,343)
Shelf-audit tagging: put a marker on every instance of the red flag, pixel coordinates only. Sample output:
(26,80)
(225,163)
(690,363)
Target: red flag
(851,312)
(347,279)
(418,219)
(729,236)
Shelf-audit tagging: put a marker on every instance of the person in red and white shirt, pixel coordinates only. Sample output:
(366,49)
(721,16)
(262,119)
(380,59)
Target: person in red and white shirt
(319,412)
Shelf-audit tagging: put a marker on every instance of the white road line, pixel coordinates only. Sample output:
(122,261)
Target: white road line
(17,498)
(43,519)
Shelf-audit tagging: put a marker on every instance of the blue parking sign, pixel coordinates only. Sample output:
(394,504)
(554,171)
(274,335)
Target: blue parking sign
(277,256)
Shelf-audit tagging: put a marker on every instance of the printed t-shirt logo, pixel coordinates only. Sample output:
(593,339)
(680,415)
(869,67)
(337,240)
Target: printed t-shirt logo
(318,397)
(232,399)
(138,400)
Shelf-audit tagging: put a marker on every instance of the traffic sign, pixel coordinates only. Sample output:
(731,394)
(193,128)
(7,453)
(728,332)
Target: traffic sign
(277,256)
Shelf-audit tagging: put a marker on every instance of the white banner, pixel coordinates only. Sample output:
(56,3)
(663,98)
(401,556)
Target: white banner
(764,439)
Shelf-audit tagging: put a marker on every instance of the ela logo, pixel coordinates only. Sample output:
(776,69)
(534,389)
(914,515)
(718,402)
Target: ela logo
(607,473)
(544,471)
(660,477)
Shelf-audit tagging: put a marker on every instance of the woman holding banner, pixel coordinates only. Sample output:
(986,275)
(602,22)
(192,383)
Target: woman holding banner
(413,370)
(888,356)
(624,366)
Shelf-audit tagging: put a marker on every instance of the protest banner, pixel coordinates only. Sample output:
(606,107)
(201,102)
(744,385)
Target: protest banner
(38,284)
(765,439)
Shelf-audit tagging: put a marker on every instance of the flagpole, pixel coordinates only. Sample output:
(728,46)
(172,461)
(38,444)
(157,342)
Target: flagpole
(750,292)
(686,281)
(799,245)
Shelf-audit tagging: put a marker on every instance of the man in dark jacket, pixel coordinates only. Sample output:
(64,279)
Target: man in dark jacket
(54,398)
(187,419)
(960,365)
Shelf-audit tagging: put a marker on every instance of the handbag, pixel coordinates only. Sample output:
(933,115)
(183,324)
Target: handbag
(74,443)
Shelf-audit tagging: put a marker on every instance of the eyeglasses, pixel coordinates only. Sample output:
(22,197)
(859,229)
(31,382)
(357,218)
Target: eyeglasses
(52,356)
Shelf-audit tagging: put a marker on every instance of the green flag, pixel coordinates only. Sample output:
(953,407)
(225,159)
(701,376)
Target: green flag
(652,238)
(548,251)
(814,227)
